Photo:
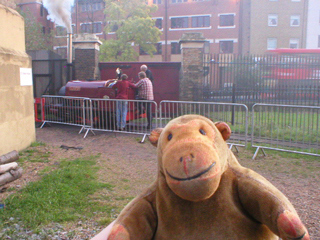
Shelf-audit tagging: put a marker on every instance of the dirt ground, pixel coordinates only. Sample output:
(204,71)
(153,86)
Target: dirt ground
(132,166)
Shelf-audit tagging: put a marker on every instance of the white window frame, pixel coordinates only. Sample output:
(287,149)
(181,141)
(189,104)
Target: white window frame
(189,17)
(155,18)
(85,24)
(294,41)
(268,43)
(99,33)
(270,17)
(293,18)
(234,16)
(203,15)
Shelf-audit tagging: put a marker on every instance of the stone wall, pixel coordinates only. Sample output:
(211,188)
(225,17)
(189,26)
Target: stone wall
(17,122)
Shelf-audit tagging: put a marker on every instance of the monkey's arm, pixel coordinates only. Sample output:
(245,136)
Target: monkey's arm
(266,204)
(138,220)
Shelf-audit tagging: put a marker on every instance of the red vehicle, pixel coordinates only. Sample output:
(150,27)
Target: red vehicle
(166,87)
(293,66)
(74,109)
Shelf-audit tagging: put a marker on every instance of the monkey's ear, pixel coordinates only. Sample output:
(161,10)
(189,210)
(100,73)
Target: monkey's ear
(224,129)
(154,136)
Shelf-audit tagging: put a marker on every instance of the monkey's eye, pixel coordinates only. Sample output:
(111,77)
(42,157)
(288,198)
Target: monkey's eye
(202,132)
(169,136)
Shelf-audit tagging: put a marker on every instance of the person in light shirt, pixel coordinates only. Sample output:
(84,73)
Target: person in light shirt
(145,92)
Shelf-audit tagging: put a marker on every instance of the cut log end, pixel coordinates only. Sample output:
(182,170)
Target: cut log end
(10,176)
(9,157)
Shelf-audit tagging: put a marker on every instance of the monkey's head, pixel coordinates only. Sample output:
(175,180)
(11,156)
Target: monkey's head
(192,155)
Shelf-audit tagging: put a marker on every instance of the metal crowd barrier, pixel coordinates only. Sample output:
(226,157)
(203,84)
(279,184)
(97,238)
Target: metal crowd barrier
(104,116)
(286,128)
(66,110)
(99,114)
(236,115)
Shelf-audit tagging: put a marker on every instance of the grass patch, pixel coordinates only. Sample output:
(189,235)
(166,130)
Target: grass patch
(37,144)
(35,153)
(61,195)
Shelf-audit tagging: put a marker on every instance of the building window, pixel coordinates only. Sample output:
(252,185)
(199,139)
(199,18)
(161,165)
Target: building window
(156,1)
(295,21)
(158,23)
(97,27)
(159,48)
(179,22)
(85,28)
(112,27)
(271,43)
(200,21)
(294,43)
(175,48)
(226,46)
(226,20)
(272,20)
(86,7)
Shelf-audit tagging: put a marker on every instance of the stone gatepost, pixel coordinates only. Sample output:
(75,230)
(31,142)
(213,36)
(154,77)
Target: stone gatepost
(86,55)
(192,51)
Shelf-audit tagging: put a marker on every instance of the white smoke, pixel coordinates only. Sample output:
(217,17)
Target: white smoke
(60,12)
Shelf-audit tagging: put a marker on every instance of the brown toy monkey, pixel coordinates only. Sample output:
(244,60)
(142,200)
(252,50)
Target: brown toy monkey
(202,192)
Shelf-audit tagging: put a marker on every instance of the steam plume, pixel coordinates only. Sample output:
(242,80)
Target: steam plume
(59,12)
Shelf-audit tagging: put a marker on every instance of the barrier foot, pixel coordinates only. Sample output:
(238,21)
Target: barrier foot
(256,152)
(89,129)
(81,130)
(232,145)
(144,137)
(42,125)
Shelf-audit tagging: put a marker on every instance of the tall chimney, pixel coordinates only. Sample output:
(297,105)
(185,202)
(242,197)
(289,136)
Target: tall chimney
(69,57)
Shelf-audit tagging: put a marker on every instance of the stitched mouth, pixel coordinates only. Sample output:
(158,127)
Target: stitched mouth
(192,177)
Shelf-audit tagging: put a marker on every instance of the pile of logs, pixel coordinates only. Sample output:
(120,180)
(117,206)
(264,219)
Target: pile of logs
(9,169)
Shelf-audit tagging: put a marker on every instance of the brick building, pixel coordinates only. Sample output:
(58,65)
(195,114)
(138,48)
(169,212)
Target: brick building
(229,26)
(38,11)
(277,24)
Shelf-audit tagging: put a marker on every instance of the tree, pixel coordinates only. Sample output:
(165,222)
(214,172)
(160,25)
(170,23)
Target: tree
(131,21)
(35,38)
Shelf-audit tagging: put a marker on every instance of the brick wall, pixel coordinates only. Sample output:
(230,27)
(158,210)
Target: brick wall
(192,67)
(86,61)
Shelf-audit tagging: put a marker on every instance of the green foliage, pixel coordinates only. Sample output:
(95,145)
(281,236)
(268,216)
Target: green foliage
(61,195)
(131,21)
(35,38)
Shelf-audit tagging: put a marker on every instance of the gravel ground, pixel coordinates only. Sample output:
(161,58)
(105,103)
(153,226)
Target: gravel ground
(123,157)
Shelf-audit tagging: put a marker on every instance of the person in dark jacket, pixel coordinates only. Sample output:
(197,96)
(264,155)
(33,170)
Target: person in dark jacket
(145,69)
